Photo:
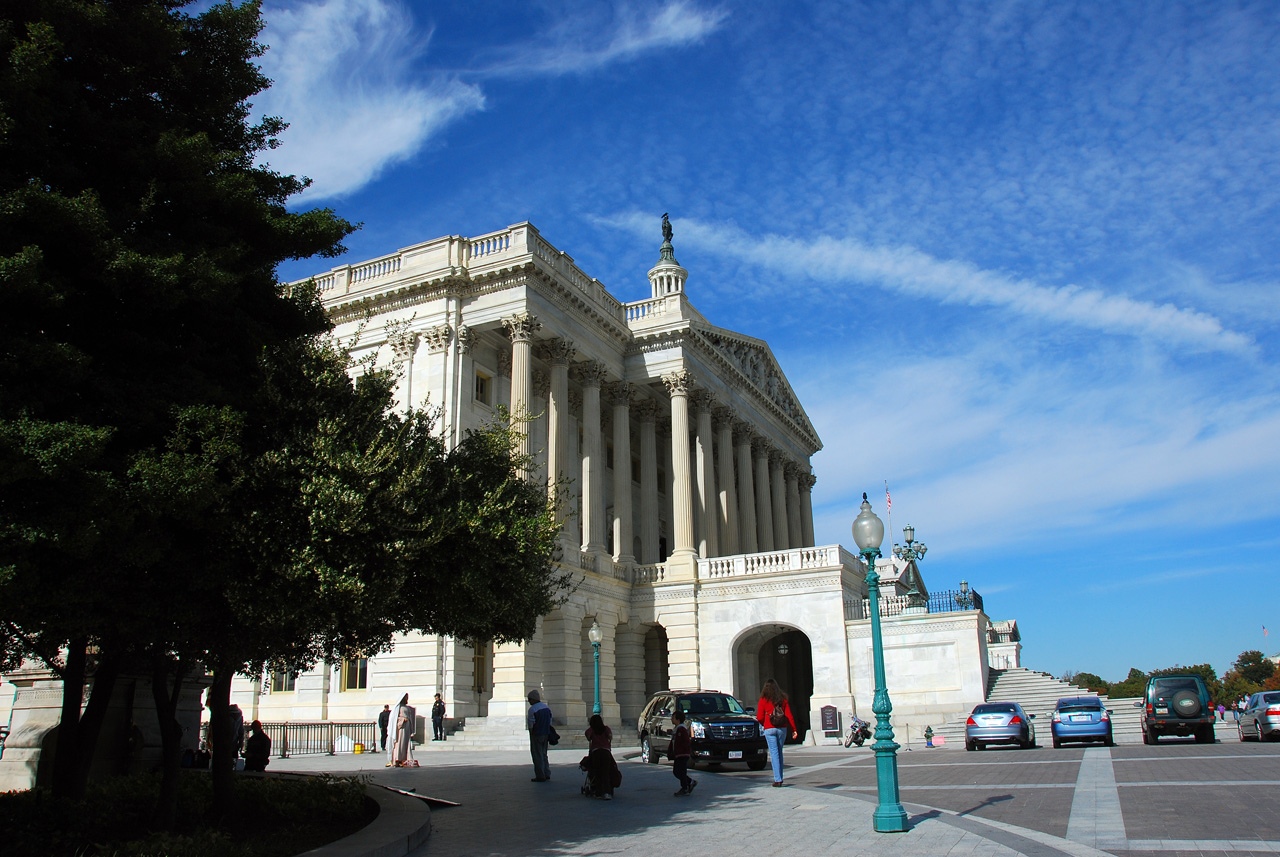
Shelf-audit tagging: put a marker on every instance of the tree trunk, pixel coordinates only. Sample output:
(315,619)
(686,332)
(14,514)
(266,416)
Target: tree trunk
(166,811)
(95,712)
(64,756)
(222,764)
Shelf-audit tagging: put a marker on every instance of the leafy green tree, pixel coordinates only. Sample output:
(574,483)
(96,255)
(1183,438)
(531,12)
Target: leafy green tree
(1253,667)
(138,243)
(1134,684)
(1092,682)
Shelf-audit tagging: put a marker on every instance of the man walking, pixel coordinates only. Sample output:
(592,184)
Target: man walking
(383,720)
(539,722)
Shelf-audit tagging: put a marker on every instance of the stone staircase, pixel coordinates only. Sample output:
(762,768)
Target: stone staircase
(487,733)
(1038,693)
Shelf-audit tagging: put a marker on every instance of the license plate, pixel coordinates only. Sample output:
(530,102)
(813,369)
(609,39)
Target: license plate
(735,754)
(1161,709)
(1080,718)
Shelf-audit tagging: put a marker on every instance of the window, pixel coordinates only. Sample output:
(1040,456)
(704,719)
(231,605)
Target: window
(283,682)
(484,389)
(355,674)
(479,666)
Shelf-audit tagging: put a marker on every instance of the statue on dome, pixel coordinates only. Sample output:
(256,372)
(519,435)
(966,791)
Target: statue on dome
(666,228)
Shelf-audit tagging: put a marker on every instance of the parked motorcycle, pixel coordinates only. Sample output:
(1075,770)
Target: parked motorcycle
(859,731)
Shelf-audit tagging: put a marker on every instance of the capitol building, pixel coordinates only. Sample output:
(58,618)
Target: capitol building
(681,458)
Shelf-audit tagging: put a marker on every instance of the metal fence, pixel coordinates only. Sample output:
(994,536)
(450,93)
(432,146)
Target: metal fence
(315,738)
(951,600)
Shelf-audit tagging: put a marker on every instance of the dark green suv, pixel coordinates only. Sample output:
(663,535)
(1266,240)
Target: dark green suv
(1177,705)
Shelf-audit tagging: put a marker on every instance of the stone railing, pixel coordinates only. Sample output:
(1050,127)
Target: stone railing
(652,308)
(587,561)
(641,574)
(795,559)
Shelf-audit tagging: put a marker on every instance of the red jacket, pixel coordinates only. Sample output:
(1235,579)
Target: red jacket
(764,713)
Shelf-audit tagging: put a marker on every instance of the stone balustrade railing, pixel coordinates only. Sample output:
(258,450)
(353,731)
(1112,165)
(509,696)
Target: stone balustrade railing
(795,559)
(655,573)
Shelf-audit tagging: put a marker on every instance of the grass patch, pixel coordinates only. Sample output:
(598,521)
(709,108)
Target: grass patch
(275,818)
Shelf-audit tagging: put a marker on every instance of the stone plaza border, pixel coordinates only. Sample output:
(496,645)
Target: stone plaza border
(403,824)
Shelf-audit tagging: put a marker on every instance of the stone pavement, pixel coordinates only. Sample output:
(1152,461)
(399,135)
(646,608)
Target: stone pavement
(731,812)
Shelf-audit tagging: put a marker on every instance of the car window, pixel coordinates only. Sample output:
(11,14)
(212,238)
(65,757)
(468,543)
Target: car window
(996,708)
(1079,704)
(1085,706)
(710,703)
(1168,686)
(1269,698)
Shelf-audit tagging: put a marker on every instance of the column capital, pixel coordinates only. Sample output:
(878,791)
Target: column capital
(807,481)
(778,458)
(541,383)
(743,432)
(619,392)
(591,373)
(438,337)
(722,417)
(521,327)
(403,344)
(761,446)
(679,383)
(791,470)
(663,425)
(702,401)
(645,410)
(558,352)
(466,339)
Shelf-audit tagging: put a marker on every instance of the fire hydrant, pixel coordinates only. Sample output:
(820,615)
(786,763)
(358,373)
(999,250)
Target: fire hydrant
(928,736)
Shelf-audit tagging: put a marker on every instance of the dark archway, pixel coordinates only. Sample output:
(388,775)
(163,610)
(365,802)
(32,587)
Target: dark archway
(657,661)
(784,654)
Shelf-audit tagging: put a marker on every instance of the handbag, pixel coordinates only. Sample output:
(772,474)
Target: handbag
(553,737)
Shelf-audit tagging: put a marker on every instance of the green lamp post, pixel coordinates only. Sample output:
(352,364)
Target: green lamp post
(889,817)
(595,635)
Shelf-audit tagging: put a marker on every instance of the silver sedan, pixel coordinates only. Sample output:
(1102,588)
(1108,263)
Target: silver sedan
(1260,720)
(999,723)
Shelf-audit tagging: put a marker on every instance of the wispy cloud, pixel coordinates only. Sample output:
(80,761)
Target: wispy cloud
(907,270)
(344,80)
(578,44)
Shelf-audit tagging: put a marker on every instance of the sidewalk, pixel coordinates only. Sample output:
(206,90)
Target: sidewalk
(503,813)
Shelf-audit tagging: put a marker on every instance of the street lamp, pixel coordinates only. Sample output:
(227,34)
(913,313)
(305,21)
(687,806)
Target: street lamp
(889,817)
(965,601)
(595,635)
(913,552)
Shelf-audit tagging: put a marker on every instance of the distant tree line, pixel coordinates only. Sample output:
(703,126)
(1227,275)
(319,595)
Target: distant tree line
(1250,673)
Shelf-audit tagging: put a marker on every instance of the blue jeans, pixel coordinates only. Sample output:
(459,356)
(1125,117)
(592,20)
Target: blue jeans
(775,738)
(538,750)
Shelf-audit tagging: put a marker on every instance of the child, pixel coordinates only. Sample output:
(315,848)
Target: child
(681,750)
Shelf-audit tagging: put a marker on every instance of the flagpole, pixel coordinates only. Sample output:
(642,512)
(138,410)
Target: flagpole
(888,513)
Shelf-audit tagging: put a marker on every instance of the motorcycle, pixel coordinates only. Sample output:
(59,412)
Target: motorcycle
(859,731)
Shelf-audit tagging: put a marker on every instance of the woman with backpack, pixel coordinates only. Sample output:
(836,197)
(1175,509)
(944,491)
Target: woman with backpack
(775,714)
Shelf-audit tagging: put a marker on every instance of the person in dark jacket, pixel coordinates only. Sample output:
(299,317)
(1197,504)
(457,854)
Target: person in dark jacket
(384,720)
(437,718)
(681,751)
(257,750)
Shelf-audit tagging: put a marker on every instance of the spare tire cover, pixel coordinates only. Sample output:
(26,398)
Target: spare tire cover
(1186,703)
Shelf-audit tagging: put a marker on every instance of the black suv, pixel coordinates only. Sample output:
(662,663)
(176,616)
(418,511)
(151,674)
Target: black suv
(721,730)
(1177,705)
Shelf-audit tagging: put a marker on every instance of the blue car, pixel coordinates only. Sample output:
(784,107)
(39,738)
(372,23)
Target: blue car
(1081,718)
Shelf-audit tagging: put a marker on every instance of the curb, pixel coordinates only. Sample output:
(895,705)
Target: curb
(403,824)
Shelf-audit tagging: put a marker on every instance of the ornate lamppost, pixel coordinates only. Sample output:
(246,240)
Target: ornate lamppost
(595,635)
(964,601)
(913,552)
(889,817)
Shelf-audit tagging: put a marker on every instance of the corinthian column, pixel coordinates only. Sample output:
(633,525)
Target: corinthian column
(592,375)
(726,501)
(742,434)
(791,473)
(620,396)
(558,353)
(764,508)
(708,540)
(778,492)
(679,384)
(521,328)
(646,411)
(806,507)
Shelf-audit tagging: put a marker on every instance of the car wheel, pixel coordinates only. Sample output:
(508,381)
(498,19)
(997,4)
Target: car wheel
(1240,731)
(1110,740)
(970,745)
(756,766)
(979,745)
(1204,734)
(1057,745)
(647,753)
(1149,736)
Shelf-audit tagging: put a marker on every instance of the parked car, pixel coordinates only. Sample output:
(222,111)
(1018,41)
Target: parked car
(1260,720)
(1081,718)
(999,723)
(1177,705)
(720,728)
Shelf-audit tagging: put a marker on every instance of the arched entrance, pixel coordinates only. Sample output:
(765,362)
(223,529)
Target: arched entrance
(782,653)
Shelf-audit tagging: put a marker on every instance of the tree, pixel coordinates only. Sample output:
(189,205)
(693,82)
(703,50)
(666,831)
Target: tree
(1253,667)
(1089,681)
(138,243)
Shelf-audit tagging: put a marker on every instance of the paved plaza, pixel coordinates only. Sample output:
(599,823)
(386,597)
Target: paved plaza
(1135,801)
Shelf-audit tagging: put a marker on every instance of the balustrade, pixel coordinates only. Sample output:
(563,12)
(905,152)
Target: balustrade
(655,573)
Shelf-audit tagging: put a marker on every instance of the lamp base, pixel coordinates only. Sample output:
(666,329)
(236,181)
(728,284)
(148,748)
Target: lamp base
(890,818)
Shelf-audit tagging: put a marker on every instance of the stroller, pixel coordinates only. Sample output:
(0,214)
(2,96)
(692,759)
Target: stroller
(604,762)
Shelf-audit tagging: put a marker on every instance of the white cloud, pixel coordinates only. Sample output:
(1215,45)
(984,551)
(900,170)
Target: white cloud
(576,45)
(907,270)
(344,82)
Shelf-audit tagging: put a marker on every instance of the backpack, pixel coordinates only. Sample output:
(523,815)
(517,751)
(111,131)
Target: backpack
(778,717)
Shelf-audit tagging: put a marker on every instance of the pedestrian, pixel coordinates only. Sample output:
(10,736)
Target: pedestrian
(437,719)
(600,763)
(257,750)
(1239,708)
(384,720)
(539,723)
(403,719)
(681,751)
(1222,712)
(237,728)
(774,713)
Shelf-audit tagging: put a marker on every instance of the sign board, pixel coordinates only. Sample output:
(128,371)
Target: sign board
(830,719)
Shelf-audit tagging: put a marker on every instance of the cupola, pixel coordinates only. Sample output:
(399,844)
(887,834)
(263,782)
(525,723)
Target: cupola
(667,277)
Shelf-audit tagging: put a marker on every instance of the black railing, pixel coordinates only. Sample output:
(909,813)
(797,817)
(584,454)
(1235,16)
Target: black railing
(951,600)
(315,738)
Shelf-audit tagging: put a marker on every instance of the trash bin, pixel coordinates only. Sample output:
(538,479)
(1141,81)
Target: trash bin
(358,749)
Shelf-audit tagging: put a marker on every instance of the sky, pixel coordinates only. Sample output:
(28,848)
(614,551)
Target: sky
(1018,260)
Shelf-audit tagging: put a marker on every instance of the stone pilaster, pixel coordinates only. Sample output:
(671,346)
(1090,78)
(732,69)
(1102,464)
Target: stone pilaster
(592,376)
(764,506)
(623,536)
(727,502)
(749,541)
(778,493)
(708,539)
(646,412)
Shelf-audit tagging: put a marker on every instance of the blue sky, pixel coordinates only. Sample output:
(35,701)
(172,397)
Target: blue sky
(1018,259)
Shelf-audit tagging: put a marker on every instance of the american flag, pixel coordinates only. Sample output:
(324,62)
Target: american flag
(1264,632)
(888,501)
